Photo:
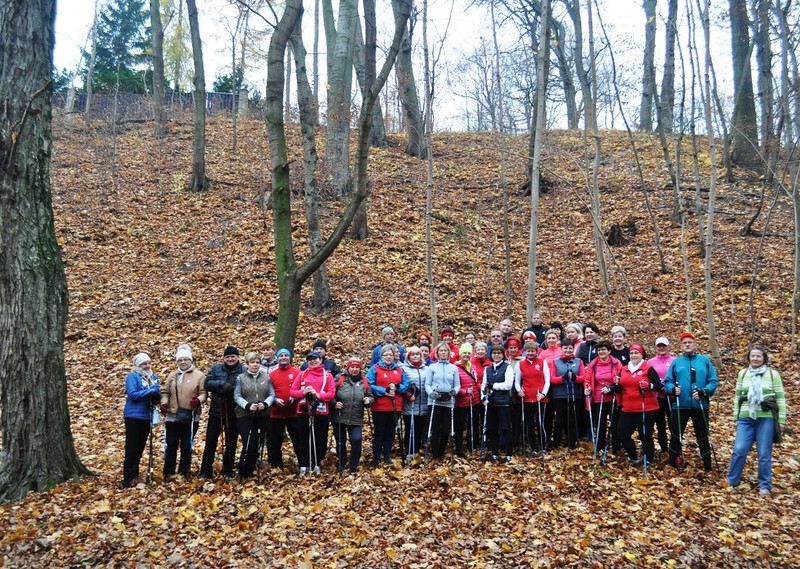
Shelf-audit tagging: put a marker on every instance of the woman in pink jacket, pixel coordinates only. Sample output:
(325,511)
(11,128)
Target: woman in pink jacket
(315,388)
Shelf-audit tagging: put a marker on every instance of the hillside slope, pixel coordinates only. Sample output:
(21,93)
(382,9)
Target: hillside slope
(150,266)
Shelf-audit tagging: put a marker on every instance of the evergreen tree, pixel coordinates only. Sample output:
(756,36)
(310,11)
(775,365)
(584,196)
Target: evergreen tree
(123,47)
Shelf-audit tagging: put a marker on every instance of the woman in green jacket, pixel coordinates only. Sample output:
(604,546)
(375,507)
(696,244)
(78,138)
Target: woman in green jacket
(759,409)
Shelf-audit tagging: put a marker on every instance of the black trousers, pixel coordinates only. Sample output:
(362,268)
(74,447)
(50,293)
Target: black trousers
(320,439)
(179,435)
(498,429)
(629,422)
(680,419)
(535,430)
(663,422)
(254,437)
(382,436)
(215,427)
(137,432)
(566,421)
(277,428)
(420,433)
(441,418)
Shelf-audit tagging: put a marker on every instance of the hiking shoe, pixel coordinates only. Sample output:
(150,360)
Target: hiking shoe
(764,491)
(508,459)
(303,470)
(316,470)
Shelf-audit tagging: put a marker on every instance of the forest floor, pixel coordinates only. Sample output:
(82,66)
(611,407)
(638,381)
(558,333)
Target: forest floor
(150,266)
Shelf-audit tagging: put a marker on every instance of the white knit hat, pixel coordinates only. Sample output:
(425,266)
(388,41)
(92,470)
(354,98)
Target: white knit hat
(184,351)
(140,358)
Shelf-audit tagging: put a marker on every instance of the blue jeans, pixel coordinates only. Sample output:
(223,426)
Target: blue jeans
(747,432)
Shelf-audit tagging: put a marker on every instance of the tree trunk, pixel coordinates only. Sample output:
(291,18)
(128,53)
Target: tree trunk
(307,112)
(37,447)
(407,88)
(744,148)
(648,67)
(590,111)
(287,96)
(158,68)
(290,276)
(378,136)
(429,166)
(199,182)
(541,97)
(92,59)
(337,146)
(565,72)
(712,194)
(666,104)
(761,25)
(786,110)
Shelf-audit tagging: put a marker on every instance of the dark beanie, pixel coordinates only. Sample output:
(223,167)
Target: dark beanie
(231,351)
(319,344)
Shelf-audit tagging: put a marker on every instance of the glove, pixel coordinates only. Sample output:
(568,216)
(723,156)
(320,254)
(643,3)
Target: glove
(644,384)
(155,395)
(194,403)
(412,390)
(701,393)
(569,376)
(164,408)
(226,388)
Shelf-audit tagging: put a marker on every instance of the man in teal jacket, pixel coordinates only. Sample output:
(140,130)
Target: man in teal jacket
(691,380)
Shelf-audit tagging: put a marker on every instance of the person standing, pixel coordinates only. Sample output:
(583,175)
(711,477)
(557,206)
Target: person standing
(283,413)
(321,347)
(638,384)
(254,395)
(468,396)
(442,386)
(759,409)
(143,394)
(532,382)
(353,396)
(388,383)
(567,393)
(447,334)
(661,362)
(536,327)
(587,351)
(181,399)
(691,380)
(389,339)
(496,394)
(314,388)
(415,402)
(220,382)
(599,382)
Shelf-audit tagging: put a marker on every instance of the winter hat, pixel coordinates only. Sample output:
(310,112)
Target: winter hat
(513,341)
(184,351)
(616,329)
(283,351)
(354,361)
(662,340)
(529,336)
(140,358)
(638,348)
(466,348)
(687,335)
(387,330)
(320,344)
(312,355)
(231,350)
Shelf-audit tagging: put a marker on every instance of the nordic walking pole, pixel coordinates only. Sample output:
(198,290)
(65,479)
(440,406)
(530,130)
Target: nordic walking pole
(430,427)
(453,427)
(599,420)
(398,430)
(246,451)
(542,434)
(591,423)
(644,435)
(524,430)
(259,455)
(483,435)
(708,433)
(610,422)
(471,429)
(150,459)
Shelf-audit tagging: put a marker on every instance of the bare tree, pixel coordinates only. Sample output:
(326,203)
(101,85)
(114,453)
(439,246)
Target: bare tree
(667,102)
(648,67)
(158,68)
(744,148)
(199,181)
(407,89)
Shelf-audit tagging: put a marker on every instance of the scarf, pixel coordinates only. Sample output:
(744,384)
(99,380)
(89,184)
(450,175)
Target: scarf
(632,368)
(755,394)
(147,377)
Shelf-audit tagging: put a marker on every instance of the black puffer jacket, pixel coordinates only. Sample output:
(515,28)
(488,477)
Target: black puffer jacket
(220,382)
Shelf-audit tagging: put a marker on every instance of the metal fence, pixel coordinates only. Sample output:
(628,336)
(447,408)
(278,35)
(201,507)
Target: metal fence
(138,107)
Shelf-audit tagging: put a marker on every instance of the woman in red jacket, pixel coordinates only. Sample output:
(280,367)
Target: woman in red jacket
(469,396)
(315,388)
(638,384)
(532,382)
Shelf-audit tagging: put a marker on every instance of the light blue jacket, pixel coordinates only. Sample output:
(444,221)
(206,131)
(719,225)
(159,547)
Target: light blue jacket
(443,377)
(417,376)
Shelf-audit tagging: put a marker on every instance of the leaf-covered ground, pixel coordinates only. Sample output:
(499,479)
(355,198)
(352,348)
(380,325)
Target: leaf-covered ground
(150,266)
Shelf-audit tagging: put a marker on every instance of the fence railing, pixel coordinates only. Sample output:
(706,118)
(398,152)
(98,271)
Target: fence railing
(136,107)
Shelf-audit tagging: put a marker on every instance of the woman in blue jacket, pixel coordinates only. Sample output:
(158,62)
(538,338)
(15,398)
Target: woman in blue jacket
(144,393)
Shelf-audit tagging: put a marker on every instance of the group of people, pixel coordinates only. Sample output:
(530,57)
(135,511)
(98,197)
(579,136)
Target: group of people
(547,387)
